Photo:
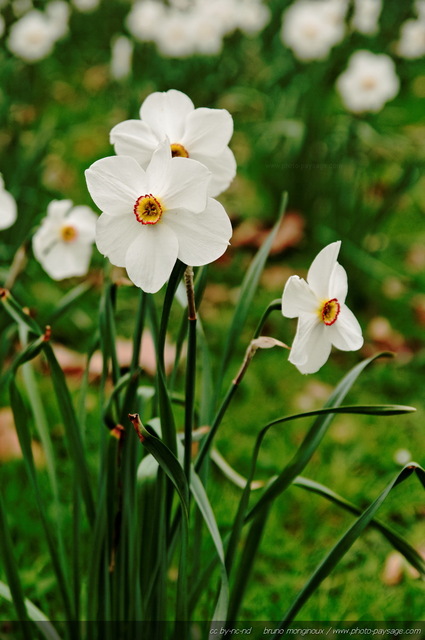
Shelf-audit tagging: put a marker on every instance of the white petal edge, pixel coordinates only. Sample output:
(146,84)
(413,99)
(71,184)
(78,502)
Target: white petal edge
(166,113)
(311,347)
(114,235)
(151,257)
(136,139)
(298,298)
(346,332)
(321,268)
(115,183)
(207,131)
(203,237)
(223,170)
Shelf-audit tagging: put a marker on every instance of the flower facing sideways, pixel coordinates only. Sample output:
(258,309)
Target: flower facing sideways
(150,218)
(63,243)
(201,134)
(323,317)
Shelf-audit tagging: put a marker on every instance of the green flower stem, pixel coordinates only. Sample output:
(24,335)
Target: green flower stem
(276,305)
(190,371)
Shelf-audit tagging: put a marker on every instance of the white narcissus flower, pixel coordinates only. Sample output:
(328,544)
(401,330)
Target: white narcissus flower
(64,241)
(8,209)
(201,134)
(323,317)
(369,82)
(366,16)
(150,218)
(412,39)
(32,37)
(121,58)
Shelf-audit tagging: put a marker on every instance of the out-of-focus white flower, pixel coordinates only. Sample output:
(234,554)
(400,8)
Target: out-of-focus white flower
(366,16)
(85,6)
(369,82)
(19,7)
(175,37)
(201,134)
(323,317)
(253,16)
(8,209)
(223,13)
(420,9)
(150,218)
(64,241)
(206,32)
(145,19)
(310,30)
(58,13)
(402,456)
(2,26)
(412,39)
(121,57)
(32,37)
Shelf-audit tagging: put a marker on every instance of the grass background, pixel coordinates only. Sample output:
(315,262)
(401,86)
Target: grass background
(366,188)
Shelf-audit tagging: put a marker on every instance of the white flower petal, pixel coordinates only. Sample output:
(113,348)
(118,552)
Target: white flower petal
(346,333)
(84,220)
(203,237)
(298,298)
(166,112)
(114,234)
(338,284)
(207,131)
(151,257)
(134,138)
(181,183)
(115,183)
(57,209)
(8,209)
(321,268)
(63,260)
(311,346)
(222,167)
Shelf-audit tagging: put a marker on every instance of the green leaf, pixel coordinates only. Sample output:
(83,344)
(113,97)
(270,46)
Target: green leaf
(69,301)
(346,542)
(393,538)
(41,621)
(313,437)
(247,292)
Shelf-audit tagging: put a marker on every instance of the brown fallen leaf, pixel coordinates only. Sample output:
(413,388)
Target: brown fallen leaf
(252,233)
(10,448)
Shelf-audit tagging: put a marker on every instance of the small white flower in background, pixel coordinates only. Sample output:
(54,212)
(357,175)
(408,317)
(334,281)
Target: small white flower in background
(175,37)
(366,16)
(2,26)
(369,82)
(311,29)
(150,218)
(32,37)
(402,456)
(201,134)
(323,317)
(121,58)
(8,209)
(420,9)
(58,12)
(252,16)
(412,39)
(63,243)
(207,33)
(144,19)
(19,7)
(85,6)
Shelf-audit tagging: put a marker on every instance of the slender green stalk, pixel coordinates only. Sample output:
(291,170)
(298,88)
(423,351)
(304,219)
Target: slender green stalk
(190,372)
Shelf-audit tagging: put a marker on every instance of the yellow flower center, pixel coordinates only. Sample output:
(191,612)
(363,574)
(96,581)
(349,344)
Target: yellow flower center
(178,151)
(329,311)
(148,210)
(68,233)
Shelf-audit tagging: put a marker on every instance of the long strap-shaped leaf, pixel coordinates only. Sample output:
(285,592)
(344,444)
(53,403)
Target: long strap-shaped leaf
(312,439)
(398,542)
(247,291)
(346,542)
(40,620)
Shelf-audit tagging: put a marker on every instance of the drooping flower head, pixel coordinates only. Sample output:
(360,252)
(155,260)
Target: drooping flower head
(368,82)
(323,317)
(8,210)
(63,244)
(200,134)
(150,218)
